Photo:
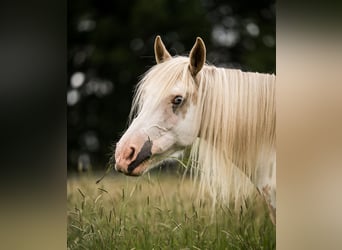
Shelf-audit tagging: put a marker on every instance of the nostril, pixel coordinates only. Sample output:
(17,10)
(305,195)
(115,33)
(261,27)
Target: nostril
(131,155)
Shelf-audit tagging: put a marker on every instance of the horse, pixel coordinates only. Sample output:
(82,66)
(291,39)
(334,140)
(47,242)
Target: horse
(226,116)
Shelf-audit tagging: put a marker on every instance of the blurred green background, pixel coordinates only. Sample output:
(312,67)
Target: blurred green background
(110,44)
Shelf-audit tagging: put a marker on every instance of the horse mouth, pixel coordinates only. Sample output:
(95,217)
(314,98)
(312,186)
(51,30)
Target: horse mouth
(139,169)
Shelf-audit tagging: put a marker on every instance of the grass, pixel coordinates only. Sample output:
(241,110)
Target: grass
(159,212)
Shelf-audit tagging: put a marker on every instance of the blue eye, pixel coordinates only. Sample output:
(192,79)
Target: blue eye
(177,100)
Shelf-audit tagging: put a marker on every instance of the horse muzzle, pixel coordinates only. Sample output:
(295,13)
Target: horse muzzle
(132,162)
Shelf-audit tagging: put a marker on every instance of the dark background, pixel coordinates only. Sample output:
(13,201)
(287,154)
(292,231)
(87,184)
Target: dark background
(110,44)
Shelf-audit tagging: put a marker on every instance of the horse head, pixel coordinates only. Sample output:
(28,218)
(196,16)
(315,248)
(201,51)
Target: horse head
(163,111)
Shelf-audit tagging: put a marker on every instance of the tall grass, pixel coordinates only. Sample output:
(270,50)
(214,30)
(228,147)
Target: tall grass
(160,212)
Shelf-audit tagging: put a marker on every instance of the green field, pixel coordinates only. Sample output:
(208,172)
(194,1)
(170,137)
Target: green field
(160,211)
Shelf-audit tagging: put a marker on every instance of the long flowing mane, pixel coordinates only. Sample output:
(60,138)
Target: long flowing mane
(235,115)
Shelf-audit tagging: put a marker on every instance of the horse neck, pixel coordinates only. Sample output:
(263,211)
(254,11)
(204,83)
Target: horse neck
(239,116)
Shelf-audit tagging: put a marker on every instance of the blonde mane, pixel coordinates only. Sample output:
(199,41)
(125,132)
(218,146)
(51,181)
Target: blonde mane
(235,114)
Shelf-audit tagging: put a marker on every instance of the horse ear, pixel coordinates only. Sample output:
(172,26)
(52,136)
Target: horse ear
(197,56)
(160,52)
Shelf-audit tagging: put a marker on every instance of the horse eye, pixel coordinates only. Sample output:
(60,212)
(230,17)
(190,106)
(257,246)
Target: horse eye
(177,100)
